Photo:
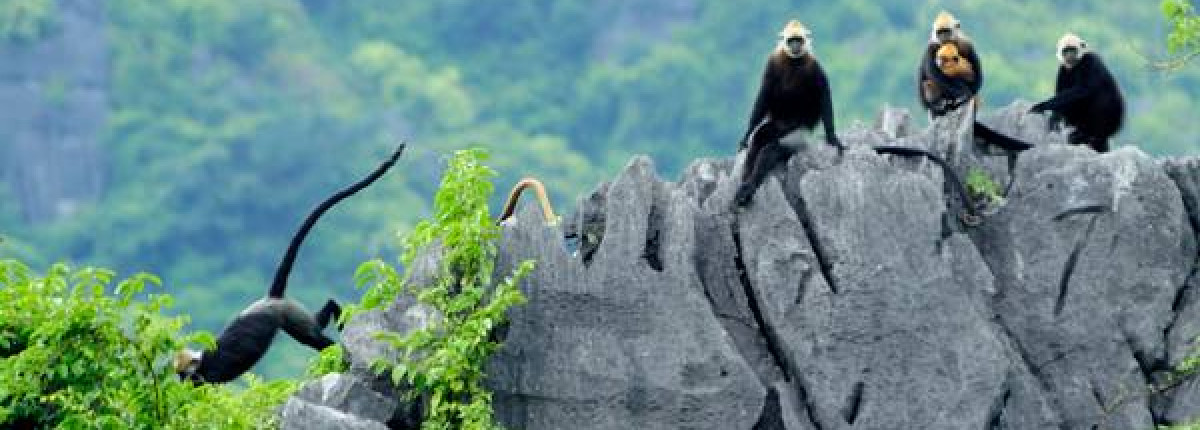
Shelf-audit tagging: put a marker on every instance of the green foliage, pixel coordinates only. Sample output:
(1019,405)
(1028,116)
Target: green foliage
(1190,364)
(1184,372)
(26,20)
(442,363)
(980,185)
(329,360)
(79,350)
(1193,426)
(1185,26)
(461,222)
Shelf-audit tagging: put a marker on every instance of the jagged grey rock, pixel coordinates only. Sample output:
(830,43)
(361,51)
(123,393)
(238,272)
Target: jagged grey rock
(349,395)
(1088,256)
(619,343)
(1183,400)
(850,294)
(300,414)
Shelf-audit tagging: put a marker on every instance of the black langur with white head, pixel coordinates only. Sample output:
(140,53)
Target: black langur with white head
(1086,95)
(245,340)
(794,94)
(949,91)
(944,86)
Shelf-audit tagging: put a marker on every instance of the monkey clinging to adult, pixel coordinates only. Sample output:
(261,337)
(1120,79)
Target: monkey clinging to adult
(246,339)
(1086,95)
(954,66)
(951,90)
(794,94)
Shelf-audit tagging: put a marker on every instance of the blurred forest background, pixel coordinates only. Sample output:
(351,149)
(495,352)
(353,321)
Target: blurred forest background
(189,138)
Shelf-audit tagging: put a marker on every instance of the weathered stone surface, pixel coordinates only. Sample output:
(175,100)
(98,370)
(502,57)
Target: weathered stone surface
(300,414)
(349,395)
(841,290)
(1089,255)
(850,294)
(626,342)
(1182,402)
(362,348)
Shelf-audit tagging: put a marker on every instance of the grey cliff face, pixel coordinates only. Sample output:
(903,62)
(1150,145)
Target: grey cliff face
(849,294)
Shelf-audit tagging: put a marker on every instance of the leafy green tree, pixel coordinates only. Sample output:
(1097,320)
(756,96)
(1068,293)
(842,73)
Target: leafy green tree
(443,362)
(1184,40)
(79,350)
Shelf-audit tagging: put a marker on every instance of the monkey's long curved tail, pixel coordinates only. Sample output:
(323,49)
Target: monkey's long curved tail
(285,266)
(955,182)
(510,205)
(999,139)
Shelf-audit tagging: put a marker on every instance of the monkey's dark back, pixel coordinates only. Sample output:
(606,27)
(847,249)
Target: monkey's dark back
(241,345)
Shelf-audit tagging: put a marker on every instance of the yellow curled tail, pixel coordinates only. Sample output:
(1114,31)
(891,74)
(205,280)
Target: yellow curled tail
(510,206)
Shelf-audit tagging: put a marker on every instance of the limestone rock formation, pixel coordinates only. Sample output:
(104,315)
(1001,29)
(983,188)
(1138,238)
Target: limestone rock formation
(850,294)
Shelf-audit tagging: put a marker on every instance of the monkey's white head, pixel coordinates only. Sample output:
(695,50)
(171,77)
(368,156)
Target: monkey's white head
(945,28)
(795,40)
(186,362)
(1070,49)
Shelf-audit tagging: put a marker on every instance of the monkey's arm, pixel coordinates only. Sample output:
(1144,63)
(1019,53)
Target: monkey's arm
(1056,118)
(1066,97)
(760,102)
(924,87)
(1060,81)
(827,110)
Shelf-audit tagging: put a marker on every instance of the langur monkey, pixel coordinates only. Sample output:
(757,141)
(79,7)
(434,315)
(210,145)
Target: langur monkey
(1086,95)
(245,340)
(951,75)
(953,91)
(794,95)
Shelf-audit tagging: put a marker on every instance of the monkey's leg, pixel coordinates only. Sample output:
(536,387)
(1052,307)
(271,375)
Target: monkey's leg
(330,312)
(318,342)
(764,136)
(307,328)
(756,146)
(768,135)
(771,156)
(312,337)
(1077,137)
(1055,122)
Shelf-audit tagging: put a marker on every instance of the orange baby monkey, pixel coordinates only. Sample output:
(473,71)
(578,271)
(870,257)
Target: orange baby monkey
(953,65)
